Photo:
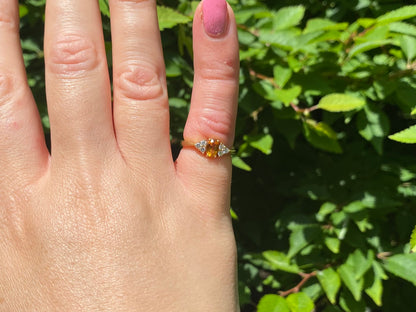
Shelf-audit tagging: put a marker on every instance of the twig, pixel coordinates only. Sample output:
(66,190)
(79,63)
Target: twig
(305,278)
(245,28)
(305,111)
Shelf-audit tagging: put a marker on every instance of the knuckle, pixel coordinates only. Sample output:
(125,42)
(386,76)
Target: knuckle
(215,121)
(6,83)
(9,88)
(225,70)
(6,21)
(71,54)
(139,83)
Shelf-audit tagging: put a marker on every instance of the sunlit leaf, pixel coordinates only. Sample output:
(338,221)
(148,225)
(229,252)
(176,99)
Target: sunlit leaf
(261,142)
(272,303)
(300,302)
(402,266)
(288,17)
(280,261)
(413,240)
(405,136)
(338,102)
(403,13)
(169,18)
(331,283)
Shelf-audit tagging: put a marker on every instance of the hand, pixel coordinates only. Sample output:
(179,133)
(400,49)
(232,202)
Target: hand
(108,222)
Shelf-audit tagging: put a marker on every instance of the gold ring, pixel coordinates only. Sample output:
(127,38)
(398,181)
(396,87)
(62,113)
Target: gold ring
(210,148)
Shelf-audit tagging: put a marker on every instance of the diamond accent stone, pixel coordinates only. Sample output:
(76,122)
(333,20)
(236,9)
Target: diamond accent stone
(223,150)
(201,146)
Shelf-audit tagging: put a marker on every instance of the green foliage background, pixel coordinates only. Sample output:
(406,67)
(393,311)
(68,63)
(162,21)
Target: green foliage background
(323,195)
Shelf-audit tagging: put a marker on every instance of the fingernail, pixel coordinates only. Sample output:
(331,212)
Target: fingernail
(215,16)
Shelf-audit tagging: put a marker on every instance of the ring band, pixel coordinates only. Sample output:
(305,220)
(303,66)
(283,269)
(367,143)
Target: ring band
(210,148)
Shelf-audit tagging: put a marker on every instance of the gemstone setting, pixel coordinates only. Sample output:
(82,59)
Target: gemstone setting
(212,148)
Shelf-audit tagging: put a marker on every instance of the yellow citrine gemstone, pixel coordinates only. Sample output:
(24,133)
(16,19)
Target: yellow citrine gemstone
(212,148)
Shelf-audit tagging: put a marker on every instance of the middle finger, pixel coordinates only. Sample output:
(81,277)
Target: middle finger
(141,110)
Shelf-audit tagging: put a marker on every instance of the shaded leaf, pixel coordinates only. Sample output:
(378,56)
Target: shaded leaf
(405,136)
(349,304)
(375,288)
(373,125)
(331,283)
(272,303)
(321,136)
(355,286)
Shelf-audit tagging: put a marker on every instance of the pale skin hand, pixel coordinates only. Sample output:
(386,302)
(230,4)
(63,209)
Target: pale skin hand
(108,222)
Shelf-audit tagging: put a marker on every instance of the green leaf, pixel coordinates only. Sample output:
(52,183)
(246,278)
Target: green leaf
(354,207)
(23,10)
(373,125)
(366,46)
(333,244)
(288,96)
(360,263)
(408,45)
(321,136)
(403,28)
(280,261)
(413,112)
(288,17)
(403,266)
(301,237)
(355,286)
(104,8)
(413,240)
(331,283)
(239,163)
(325,210)
(405,136)
(261,142)
(281,75)
(317,24)
(272,303)
(338,102)
(375,288)
(300,302)
(234,216)
(169,18)
(403,13)
(349,304)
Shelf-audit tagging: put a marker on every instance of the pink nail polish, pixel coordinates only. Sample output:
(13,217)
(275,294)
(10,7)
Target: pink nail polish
(215,16)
